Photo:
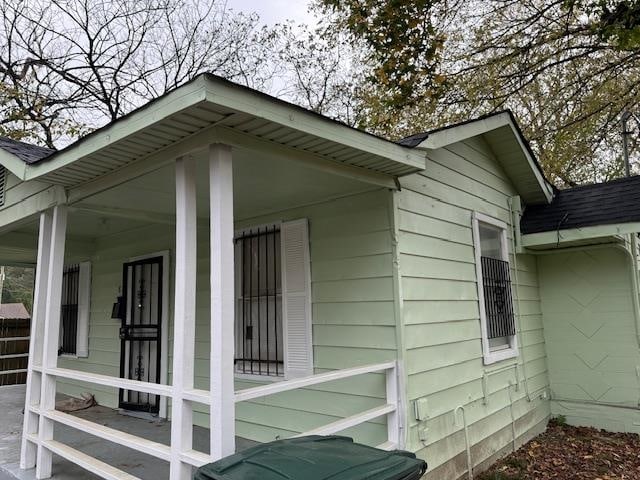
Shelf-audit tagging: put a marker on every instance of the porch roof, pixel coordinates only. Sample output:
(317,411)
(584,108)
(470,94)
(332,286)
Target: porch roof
(207,110)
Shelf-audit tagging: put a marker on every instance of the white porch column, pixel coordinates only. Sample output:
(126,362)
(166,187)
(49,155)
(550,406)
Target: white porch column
(51,336)
(28,449)
(184,319)
(222,413)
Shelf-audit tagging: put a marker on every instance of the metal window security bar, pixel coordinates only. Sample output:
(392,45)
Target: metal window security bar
(497,294)
(259,337)
(69,309)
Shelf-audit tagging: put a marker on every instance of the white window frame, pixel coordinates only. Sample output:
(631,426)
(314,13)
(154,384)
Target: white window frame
(491,355)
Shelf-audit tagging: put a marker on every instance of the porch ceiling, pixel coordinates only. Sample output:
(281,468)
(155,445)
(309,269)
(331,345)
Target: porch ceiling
(209,110)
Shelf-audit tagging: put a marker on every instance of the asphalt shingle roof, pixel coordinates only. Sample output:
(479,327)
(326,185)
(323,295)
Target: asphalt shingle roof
(26,152)
(617,201)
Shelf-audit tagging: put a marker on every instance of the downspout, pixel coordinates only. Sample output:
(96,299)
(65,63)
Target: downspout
(515,212)
(633,263)
(399,320)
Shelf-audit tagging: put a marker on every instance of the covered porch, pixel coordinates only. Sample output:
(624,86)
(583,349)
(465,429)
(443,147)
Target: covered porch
(172,214)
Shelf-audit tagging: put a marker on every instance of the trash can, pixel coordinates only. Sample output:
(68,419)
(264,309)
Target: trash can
(314,458)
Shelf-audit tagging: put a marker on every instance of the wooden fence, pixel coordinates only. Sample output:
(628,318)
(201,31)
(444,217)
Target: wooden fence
(14,350)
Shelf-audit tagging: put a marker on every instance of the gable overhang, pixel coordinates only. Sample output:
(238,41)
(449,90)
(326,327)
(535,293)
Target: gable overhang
(570,237)
(509,146)
(13,164)
(212,110)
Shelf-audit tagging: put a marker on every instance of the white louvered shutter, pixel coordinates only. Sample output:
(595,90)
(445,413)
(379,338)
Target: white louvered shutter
(296,299)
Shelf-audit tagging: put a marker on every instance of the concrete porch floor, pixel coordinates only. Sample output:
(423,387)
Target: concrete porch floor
(131,461)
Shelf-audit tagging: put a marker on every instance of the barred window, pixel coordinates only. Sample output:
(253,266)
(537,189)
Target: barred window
(74,310)
(69,310)
(259,332)
(494,288)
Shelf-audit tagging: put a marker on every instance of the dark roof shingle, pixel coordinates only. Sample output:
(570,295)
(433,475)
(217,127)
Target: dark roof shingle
(26,152)
(617,201)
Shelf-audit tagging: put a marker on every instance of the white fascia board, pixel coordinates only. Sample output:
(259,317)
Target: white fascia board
(254,103)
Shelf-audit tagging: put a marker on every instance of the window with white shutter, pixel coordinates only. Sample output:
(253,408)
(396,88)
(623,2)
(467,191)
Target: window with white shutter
(273,303)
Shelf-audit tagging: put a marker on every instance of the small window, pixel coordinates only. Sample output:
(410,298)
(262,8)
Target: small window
(259,332)
(494,289)
(74,310)
(69,310)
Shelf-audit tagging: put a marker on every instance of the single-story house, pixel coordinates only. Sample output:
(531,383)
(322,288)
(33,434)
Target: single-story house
(222,258)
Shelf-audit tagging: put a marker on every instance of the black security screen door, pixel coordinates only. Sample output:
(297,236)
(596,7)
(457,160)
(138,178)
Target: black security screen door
(141,331)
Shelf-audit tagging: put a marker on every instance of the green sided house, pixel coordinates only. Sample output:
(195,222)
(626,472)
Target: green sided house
(224,259)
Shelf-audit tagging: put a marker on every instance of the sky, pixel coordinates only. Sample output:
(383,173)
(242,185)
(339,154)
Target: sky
(274,11)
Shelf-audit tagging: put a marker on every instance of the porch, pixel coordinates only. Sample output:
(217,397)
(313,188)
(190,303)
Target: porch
(118,456)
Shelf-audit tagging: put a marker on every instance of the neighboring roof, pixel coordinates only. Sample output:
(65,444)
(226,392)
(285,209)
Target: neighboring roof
(210,109)
(26,152)
(14,311)
(509,145)
(614,202)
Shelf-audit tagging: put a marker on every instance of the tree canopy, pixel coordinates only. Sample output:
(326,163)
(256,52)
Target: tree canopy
(567,68)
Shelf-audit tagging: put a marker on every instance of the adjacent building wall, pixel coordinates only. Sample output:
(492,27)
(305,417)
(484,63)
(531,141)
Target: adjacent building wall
(591,337)
(442,327)
(353,316)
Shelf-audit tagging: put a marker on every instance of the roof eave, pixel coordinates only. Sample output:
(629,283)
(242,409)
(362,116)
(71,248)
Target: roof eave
(14,164)
(585,235)
(209,90)
(457,133)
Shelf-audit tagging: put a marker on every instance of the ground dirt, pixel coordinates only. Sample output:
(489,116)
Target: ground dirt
(578,453)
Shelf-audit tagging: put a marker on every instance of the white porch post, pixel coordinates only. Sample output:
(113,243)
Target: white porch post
(222,414)
(32,398)
(51,336)
(184,319)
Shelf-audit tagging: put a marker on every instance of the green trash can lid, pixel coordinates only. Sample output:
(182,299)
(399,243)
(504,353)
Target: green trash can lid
(314,458)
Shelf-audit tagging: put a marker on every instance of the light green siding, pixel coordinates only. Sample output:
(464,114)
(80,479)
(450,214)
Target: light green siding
(591,337)
(444,361)
(353,315)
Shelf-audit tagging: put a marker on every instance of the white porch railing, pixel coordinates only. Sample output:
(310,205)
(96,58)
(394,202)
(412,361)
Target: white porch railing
(195,458)
(389,408)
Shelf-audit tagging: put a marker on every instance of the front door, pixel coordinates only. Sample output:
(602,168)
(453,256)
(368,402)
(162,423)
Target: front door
(141,331)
